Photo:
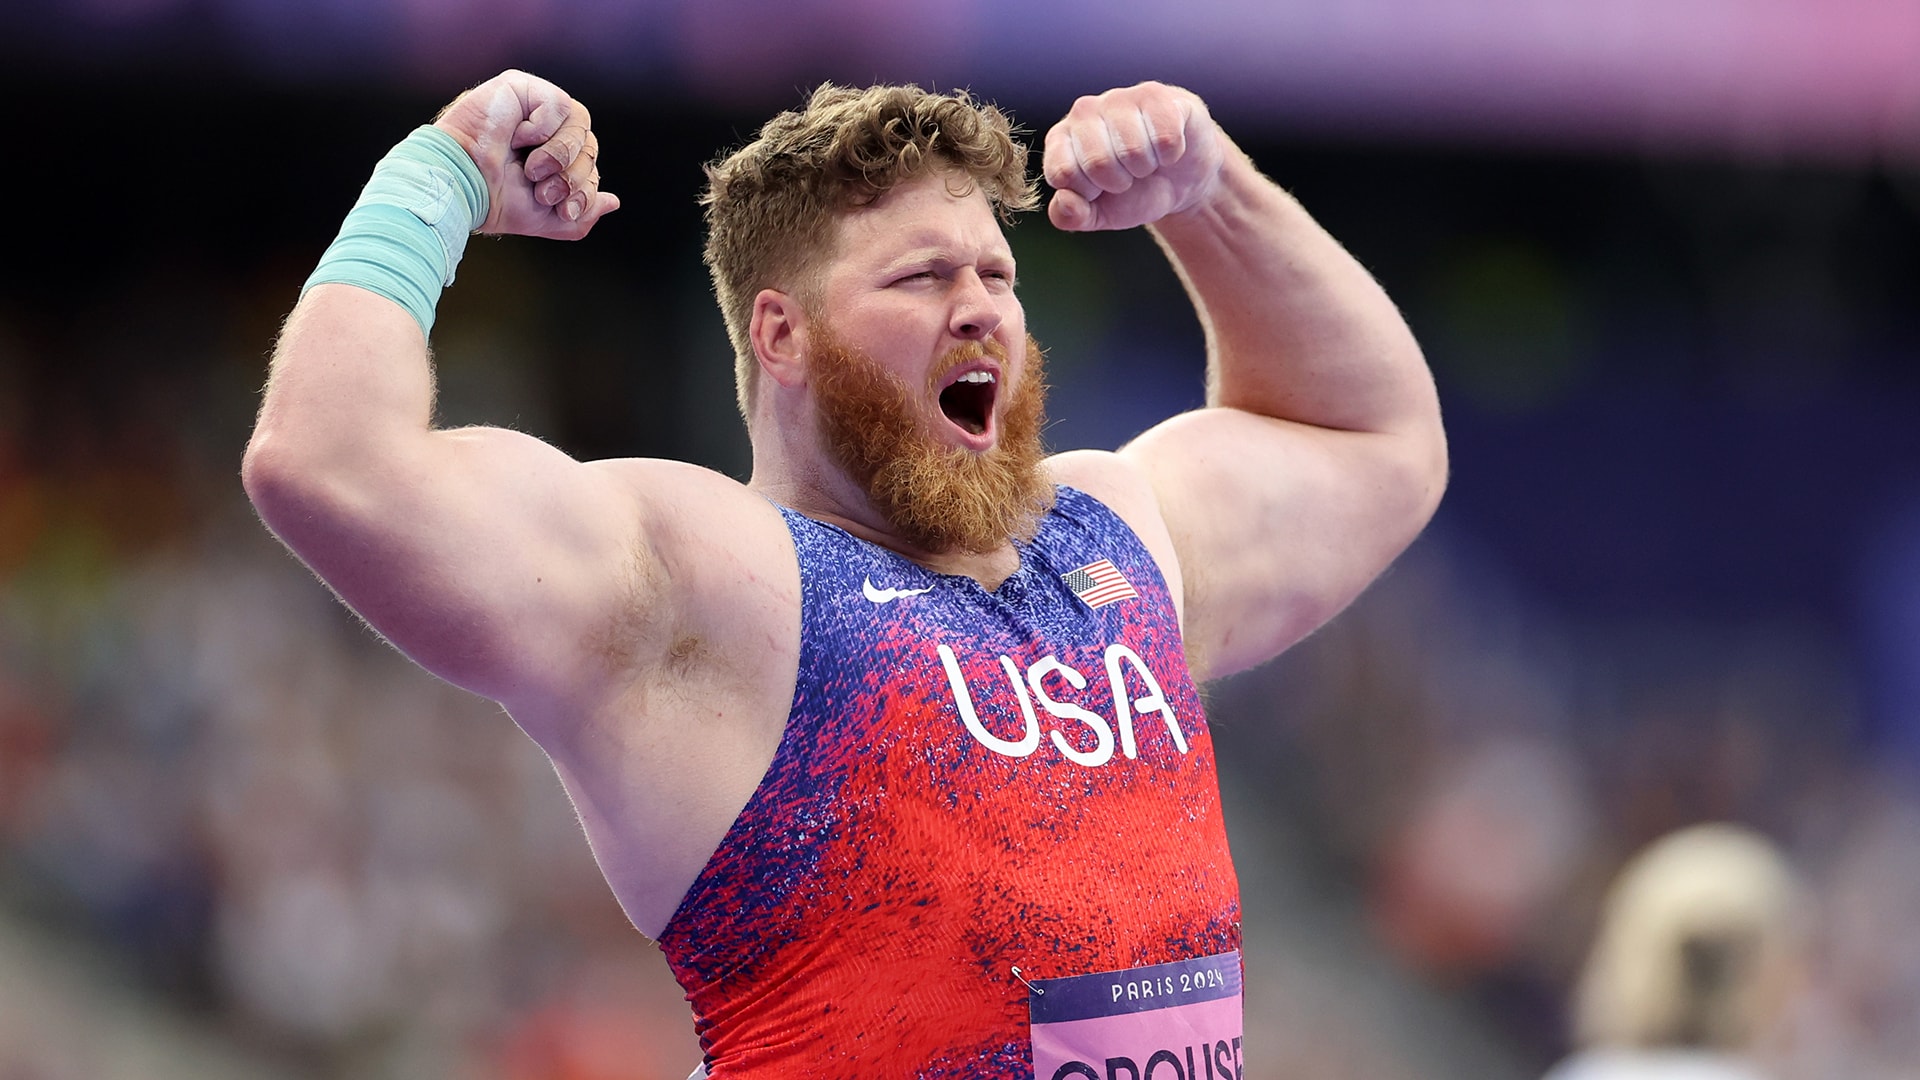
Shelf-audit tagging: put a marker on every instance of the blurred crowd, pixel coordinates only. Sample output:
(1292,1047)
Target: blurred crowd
(1481,775)
(285,837)
(283,828)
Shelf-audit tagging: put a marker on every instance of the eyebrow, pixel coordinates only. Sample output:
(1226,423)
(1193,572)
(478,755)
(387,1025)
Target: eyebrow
(941,253)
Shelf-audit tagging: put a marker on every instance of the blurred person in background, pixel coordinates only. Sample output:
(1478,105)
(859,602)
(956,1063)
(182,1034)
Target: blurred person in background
(801,718)
(1694,967)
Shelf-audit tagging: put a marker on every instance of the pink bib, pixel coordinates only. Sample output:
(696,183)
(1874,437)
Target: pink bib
(1178,1021)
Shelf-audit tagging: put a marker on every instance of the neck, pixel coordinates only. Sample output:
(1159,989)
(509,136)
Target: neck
(822,492)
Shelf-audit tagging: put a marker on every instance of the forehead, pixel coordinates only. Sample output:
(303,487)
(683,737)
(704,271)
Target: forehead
(937,214)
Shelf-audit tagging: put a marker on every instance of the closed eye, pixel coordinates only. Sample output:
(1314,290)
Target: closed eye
(992,277)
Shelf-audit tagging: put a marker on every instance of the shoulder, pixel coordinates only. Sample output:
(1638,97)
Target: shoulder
(705,528)
(691,506)
(713,565)
(1106,476)
(1125,489)
(664,478)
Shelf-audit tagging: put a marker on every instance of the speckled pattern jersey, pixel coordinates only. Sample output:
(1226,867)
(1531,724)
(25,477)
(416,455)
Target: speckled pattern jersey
(968,782)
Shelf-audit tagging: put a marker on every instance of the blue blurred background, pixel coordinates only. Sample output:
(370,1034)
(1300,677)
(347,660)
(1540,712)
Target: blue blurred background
(1665,260)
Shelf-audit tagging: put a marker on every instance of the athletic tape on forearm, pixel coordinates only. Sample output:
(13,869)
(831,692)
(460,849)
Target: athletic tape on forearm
(405,236)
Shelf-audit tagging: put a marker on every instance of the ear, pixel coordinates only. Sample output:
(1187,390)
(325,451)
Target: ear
(779,335)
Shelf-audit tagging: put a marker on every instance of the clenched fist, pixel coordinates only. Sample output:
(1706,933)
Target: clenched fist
(1132,156)
(554,189)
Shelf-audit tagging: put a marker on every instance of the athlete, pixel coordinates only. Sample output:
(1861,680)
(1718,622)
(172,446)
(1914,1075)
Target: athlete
(895,749)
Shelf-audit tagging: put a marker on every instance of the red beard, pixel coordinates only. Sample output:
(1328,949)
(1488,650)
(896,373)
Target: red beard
(937,498)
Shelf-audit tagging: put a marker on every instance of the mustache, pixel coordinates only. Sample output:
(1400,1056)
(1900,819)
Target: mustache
(961,355)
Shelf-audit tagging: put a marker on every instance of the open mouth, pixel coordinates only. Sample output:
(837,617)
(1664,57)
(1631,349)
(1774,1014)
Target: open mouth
(968,401)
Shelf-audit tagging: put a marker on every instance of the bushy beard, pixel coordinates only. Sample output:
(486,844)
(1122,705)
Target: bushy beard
(937,498)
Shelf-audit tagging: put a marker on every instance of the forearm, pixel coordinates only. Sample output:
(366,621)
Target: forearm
(350,381)
(351,384)
(1296,327)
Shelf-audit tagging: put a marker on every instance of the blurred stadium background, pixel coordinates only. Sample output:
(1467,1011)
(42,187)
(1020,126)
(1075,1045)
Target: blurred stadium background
(1665,259)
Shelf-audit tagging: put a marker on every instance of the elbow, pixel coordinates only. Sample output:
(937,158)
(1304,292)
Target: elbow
(1422,466)
(1437,468)
(265,473)
(1429,468)
(286,484)
(1420,475)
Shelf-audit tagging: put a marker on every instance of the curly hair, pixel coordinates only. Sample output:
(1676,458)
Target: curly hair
(771,205)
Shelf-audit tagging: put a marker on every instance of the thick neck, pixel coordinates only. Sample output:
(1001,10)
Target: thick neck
(791,469)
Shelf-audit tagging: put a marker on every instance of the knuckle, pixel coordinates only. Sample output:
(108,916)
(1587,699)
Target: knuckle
(1135,158)
(1100,157)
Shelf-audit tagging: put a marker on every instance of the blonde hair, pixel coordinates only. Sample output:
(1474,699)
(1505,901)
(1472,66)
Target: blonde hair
(1692,942)
(772,204)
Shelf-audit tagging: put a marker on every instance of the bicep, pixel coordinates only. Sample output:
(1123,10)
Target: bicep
(483,554)
(1277,525)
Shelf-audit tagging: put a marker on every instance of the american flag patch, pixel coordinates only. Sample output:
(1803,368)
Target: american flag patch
(1099,584)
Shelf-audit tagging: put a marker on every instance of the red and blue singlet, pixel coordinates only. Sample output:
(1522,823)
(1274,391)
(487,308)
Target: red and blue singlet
(970,783)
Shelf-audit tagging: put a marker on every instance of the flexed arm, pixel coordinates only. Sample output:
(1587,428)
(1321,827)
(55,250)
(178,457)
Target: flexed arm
(1321,454)
(458,545)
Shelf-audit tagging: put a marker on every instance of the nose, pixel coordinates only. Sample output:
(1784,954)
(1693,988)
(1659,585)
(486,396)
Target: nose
(975,314)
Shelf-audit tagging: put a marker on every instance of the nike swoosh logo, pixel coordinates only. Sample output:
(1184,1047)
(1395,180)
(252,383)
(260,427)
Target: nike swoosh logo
(882,596)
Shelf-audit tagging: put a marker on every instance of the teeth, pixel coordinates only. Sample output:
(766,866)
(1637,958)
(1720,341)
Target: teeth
(976,377)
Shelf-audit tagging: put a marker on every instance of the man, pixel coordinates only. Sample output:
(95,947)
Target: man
(894,749)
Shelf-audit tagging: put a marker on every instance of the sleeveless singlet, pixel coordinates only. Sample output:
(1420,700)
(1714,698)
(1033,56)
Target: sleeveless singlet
(976,792)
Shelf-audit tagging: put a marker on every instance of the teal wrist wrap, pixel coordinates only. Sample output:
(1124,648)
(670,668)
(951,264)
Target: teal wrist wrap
(405,236)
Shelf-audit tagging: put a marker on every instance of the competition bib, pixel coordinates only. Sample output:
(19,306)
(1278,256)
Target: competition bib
(1178,1021)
